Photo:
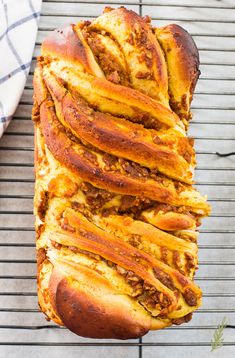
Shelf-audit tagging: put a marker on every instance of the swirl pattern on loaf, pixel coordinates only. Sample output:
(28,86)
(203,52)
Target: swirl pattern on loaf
(116,212)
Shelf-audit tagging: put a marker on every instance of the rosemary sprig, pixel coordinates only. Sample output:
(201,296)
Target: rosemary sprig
(218,339)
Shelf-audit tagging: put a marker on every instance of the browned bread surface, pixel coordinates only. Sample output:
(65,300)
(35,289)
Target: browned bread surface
(116,212)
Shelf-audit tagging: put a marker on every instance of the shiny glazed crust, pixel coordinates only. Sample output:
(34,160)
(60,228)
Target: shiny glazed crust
(116,212)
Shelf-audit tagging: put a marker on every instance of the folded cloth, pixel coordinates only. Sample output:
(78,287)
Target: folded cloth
(18,29)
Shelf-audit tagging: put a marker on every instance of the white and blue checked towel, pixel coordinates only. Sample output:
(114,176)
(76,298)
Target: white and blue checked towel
(18,29)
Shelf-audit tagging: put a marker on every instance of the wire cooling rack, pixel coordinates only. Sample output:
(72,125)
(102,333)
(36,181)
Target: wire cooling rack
(24,332)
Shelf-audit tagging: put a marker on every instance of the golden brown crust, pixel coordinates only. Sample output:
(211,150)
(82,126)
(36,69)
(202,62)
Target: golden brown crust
(68,43)
(127,101)
(97,314)
(116,215)
(72,156)
(121,137)
(62,148)
(143,54)
(183,67)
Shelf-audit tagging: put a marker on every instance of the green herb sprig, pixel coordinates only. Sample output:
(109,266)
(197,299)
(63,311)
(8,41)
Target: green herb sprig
(218,339)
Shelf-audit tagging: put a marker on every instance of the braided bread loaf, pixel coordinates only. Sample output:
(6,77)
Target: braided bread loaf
(116,213)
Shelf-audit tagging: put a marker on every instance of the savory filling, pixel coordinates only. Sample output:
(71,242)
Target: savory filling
(180,108)
(110,58)
(107,203)
(111,163)
(146,294)
(114,69)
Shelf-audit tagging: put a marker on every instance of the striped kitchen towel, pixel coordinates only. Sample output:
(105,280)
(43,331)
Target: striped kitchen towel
(18,29)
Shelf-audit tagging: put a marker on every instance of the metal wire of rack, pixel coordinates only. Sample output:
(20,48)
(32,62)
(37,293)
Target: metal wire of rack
(23,329)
